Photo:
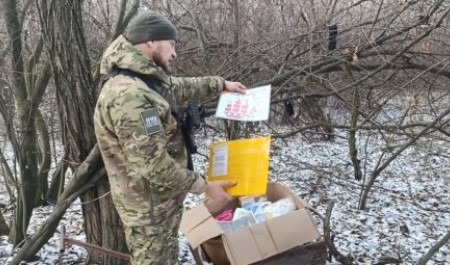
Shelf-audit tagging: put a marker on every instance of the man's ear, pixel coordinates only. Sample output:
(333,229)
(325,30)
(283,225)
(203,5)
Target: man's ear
(151,44)
(150,48)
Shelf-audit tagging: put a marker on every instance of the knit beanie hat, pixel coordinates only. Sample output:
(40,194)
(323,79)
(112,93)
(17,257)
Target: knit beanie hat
(149,26)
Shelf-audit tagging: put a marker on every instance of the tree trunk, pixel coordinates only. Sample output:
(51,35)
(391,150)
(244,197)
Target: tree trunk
(44,160)
(232,128)
(8,177)
(4,229)
(26,104)
(28,166)
(89,172)
(58,179)
(76,100)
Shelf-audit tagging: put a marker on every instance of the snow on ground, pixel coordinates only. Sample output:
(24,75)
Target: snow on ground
(407,209)
(411,194)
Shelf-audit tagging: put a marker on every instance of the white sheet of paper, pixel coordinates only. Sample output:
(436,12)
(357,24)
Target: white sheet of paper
(251,106)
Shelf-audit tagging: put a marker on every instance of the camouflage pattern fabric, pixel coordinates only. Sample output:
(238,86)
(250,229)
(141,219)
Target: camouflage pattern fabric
(141,142)
(149,247)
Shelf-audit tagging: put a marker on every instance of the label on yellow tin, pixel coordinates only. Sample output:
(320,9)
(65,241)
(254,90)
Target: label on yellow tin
(245,161)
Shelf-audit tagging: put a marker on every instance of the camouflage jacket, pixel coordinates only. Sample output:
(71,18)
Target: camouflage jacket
(141,141)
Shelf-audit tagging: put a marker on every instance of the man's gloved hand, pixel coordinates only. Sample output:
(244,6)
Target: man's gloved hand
(216,196)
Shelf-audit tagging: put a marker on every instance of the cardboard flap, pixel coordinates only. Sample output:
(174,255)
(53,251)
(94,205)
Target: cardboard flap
(293,229)
(277,191)
(300,203)
(263,240)
(240,247)
(257,242)
(249,245)
(198,225)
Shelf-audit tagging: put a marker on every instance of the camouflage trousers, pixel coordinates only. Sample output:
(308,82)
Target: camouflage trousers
(154,244)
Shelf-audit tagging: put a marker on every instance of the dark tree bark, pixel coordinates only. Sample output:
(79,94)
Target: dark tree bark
(88,173)
(76,97)
(233,127)
(28,91)
(4,228)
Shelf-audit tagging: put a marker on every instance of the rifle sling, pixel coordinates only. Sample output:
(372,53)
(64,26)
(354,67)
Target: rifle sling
(153,85)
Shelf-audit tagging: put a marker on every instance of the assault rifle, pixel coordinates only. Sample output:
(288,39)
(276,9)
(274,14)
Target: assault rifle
(191,118)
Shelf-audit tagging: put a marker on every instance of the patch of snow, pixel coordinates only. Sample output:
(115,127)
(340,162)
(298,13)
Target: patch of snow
(407,208)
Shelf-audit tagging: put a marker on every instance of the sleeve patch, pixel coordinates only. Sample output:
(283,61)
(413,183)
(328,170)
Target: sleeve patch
(151,121)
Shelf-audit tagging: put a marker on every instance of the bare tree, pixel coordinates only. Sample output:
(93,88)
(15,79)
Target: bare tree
(28,84)
(76,87)
(381,50)
(4,229)
(76,99)
(232,127)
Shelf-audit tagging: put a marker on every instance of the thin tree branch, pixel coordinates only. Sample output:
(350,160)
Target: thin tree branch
(346,260)
(424,260)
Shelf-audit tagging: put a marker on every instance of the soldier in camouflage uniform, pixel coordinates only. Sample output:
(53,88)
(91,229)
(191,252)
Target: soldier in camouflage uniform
(141,142)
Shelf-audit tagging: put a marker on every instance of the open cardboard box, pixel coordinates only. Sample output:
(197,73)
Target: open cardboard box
(254,243)
(315,253)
